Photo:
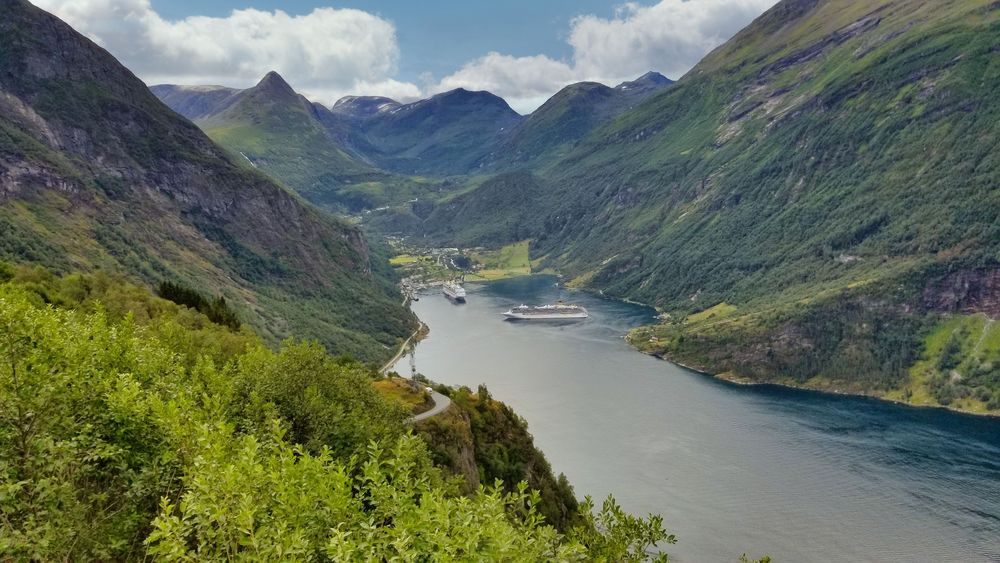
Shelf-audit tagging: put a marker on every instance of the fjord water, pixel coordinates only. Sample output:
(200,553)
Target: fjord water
(801,476)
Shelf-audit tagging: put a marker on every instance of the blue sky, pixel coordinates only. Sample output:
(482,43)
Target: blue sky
(438,37)
(522,50)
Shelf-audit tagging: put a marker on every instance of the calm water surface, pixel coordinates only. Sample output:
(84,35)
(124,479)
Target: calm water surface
(802,476)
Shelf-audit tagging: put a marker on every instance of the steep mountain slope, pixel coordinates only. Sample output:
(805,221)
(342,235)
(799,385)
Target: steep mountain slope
(95,172)
(824,130)
(568,116)
(491,214)
(641,88)
(822,186)
(194,102)
(450,133)
(300,143)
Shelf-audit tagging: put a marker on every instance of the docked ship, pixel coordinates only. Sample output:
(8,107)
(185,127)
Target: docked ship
(557,312)
(454,291)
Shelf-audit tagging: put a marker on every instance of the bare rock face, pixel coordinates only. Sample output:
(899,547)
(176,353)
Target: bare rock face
(966,291)
(68,94)
(107,174)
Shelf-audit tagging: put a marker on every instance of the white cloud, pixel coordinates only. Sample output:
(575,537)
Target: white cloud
(330,52)
(510,77)
(326,53)
(670,37)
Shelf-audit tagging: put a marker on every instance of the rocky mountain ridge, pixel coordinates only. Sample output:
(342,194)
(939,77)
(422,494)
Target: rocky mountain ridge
(97,173)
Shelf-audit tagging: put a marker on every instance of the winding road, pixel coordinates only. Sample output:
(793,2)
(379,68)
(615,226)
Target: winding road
(441,403)
(402,349)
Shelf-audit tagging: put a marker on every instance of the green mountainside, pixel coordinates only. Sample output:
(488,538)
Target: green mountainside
(132,428)
(450,133)
(369,152)
(96,173)
(809,204)
(568,116)
(297,142)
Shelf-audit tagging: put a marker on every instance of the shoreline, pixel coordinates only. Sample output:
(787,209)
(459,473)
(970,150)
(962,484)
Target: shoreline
(733,380)
(422,330)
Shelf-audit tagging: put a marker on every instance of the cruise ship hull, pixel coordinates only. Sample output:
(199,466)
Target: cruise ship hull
(515,316)
(455,298)
(550,313)
(456,294)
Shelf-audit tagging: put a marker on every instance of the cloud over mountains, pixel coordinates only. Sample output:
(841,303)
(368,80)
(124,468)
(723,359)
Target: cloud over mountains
(326,53)
(330,52)
(669,37)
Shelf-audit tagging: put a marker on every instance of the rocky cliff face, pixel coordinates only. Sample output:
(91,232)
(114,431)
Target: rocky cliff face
(96,167)
(967,291)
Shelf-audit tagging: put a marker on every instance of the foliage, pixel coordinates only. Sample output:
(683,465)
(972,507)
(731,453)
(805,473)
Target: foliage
(122,440)
(614,535)
(502,450)
(851,341)
(959,365)
(215,309)
(120,183)
(327,403)
(264,501)
(829,149)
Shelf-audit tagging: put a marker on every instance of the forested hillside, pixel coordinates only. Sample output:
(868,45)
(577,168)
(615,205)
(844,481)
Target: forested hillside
(370,152)
(133,428)
(96,173)
(822,187)
(299,143)
(567,117)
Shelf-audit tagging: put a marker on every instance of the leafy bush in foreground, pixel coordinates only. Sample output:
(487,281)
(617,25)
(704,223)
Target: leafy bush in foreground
(123,440)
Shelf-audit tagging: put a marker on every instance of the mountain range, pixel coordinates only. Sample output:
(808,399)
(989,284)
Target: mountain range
(97,173)
(367,151)
(807,205)
(813,204)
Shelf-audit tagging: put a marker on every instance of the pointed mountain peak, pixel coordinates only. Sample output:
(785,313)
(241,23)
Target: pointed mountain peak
(274,83)
(651,79)
(654,77)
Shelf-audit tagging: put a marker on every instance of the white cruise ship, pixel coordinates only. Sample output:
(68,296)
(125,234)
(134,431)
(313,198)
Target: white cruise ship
(454,291)
(557,312)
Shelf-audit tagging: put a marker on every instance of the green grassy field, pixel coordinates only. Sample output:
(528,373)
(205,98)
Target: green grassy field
(399,390)
(508,262)
(959,367)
